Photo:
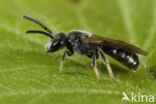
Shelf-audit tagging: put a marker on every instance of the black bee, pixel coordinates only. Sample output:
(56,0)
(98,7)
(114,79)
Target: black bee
(93,46)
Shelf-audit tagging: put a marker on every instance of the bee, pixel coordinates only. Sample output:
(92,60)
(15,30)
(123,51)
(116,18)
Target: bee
(92,46)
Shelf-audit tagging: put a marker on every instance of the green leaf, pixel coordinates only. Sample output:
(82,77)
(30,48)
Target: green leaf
(26,70)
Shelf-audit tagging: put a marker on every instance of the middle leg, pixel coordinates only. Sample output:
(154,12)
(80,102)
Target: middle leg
(95,69)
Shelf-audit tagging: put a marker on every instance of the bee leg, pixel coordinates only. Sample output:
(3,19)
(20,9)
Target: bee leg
(62,61)
(55,56)
(106,62)
(95,69)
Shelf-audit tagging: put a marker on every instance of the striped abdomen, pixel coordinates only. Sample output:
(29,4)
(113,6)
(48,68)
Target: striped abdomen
(129,60)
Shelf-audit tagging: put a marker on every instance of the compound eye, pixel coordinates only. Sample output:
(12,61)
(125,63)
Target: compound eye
(56,43)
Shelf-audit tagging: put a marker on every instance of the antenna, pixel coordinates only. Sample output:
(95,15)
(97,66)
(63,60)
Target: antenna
(41,25)
(40,32)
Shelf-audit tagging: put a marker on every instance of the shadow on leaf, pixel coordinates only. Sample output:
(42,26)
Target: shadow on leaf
(152,73)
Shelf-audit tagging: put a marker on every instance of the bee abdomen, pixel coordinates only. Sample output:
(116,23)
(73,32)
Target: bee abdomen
(129,60)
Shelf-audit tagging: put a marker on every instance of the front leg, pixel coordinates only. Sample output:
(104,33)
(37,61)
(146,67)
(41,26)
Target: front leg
(62,61)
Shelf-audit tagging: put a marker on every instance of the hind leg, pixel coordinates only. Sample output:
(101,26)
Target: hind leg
(106,62)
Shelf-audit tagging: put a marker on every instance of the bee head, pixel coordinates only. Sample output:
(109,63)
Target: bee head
(57,43)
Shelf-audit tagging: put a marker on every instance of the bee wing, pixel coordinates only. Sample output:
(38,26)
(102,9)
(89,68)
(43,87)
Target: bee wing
(116,44)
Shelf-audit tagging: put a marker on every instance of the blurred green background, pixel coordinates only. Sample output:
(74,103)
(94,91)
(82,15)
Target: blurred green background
(26,70)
